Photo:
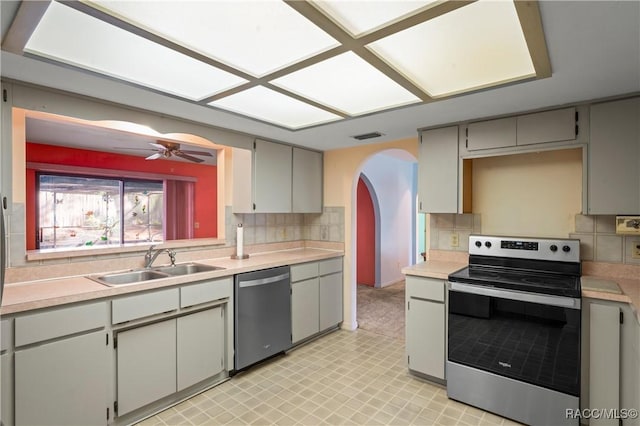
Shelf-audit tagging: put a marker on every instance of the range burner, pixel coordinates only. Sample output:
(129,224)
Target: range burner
(530,265)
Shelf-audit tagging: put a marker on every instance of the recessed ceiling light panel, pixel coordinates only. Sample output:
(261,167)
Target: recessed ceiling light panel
(257,37)
(359,18)
(68,36)
(347,83)
(274,107)
(473,47)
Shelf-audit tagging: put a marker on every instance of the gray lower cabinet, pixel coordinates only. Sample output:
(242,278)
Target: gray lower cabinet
(200,346)
(146,365)
(305,309)
(6,391)
(63,383)
(610,359)
(426,326)
(316,297)
(330,300)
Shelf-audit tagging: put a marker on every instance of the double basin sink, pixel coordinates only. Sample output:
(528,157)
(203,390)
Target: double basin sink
(142,275)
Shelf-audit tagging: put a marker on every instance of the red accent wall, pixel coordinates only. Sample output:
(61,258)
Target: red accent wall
(206,191)
(366,237)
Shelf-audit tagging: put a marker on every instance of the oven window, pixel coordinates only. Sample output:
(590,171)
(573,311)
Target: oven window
(537,344)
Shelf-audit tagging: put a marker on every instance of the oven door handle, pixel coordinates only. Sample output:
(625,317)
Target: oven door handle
(543,299)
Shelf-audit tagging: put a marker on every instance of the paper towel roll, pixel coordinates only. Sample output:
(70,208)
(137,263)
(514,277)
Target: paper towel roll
(240,241)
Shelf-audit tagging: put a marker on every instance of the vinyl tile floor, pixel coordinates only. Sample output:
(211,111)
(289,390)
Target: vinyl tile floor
(381,310)
(343,378)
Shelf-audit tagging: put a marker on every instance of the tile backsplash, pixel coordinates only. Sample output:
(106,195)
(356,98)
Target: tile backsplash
(599,241)
(262,228)
(443,225)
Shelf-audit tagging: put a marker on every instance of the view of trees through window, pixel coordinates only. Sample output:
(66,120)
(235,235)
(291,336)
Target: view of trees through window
(76,211)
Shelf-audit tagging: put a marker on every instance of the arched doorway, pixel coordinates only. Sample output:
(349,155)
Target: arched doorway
(390,178)
(366,244)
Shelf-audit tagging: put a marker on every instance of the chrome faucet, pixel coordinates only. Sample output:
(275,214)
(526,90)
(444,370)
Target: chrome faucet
(150,256)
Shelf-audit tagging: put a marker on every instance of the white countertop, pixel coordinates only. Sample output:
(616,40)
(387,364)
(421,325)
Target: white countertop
(27,296)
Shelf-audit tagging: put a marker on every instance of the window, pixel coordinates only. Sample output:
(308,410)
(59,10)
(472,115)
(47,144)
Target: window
(76,211)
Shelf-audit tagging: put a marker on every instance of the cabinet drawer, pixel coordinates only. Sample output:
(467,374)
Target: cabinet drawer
(144,305)
(59,322)
(330,266)
(304,271)
(425,288)
(209,291)
(6,334)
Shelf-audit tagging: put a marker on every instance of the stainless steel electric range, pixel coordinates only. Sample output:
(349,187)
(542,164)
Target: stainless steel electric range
(514,328)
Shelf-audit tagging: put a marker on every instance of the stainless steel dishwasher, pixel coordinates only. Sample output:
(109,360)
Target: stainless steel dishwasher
(262,301)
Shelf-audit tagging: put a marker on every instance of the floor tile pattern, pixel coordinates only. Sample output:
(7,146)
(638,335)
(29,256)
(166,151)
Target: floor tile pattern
(381,310)
(344,378)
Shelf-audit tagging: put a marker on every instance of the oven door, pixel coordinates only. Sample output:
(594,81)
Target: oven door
(529,337)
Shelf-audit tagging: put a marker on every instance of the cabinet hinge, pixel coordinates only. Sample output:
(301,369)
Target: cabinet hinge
(466,140)
(115,343)
(621,317)
(107,413)
(408,305)
(254,206)
(408,360)
(577,126)
(254,144)
(107,339)
(4,95)
(115,408)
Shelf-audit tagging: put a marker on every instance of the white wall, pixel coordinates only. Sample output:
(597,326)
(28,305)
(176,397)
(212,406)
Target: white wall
(393,183)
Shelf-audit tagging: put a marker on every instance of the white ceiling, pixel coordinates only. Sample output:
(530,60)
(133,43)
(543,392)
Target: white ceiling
(594,50)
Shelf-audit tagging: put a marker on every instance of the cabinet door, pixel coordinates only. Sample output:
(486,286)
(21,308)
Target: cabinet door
(272,177)
(305,309)
(604,359)
(548,126)
(499,133)
(330,300)
(63,383)
(438,170)
(200,346)
(146,361)
(307,181)
(425,340)
(614,155)
(6,391)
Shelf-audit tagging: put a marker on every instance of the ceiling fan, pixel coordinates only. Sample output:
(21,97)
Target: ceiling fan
(170,149)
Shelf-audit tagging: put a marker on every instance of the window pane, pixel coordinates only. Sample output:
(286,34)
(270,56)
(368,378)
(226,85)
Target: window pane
(143,211)
(78,211)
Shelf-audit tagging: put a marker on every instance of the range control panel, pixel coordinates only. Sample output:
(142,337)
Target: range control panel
(564,250)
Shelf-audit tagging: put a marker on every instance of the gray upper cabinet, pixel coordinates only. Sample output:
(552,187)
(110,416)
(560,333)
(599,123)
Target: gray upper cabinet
(548,126)
(307,181)
(272,175)
(277,178)
(438,170)
(499,133)
(614,158)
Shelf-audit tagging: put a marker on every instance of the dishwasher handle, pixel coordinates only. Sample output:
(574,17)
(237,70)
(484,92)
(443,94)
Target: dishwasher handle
(263,281)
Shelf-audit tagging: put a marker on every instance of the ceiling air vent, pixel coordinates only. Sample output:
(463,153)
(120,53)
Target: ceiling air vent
(367,136)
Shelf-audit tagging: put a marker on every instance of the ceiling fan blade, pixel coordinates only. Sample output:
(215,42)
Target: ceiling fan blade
(158,145)
(206,154)
(154,156)
(181,154)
